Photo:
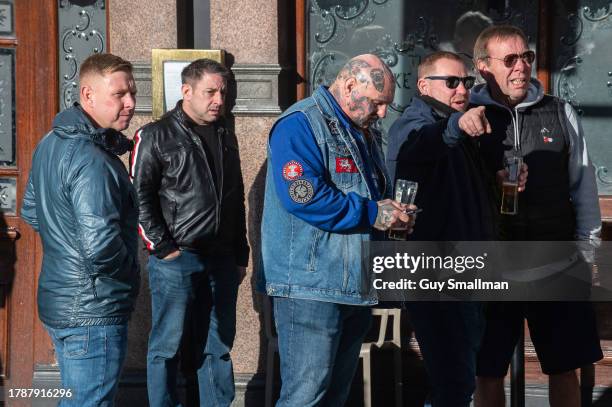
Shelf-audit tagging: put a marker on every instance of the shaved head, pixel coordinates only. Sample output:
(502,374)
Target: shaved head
(364,88)
(367,69)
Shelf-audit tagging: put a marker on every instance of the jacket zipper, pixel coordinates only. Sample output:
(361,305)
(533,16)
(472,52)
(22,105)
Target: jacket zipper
(93,286)
(198,143)
(220,180)
(194,138)
(515,130)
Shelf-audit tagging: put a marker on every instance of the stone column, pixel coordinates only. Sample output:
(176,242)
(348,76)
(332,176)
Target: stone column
(248,31)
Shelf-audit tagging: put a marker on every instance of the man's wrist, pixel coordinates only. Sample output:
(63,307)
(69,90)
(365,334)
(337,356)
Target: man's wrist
(453,132)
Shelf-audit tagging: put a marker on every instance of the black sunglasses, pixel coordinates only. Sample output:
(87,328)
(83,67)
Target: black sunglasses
(453,81)
(509,60)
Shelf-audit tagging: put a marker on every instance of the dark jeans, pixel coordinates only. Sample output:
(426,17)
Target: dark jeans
(449,336)
(319,344)
(202,292)
(90,360)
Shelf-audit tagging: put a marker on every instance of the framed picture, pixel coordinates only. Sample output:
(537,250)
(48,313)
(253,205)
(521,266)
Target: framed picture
(166,68)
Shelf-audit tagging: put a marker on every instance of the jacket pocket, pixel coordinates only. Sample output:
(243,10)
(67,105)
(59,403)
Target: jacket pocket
(113,289)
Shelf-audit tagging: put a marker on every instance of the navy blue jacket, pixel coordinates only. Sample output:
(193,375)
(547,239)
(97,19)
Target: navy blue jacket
(81,201)
(426,145)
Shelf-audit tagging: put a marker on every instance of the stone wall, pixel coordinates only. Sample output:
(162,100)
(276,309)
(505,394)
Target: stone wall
(246,29)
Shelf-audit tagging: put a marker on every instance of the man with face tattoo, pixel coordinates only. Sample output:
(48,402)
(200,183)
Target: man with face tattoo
(326,186)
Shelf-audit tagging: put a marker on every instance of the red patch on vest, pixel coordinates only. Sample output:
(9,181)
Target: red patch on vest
(292,170)
(345,164)
(548,139)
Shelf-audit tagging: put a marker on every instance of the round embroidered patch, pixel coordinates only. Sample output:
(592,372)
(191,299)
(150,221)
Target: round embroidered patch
(301,191)
(292,170)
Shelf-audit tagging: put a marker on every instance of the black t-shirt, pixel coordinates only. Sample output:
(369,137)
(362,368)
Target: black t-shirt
(210,142)
(212,149)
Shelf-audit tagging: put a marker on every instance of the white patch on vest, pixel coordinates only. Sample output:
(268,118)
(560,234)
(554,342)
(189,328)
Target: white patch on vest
(301,191)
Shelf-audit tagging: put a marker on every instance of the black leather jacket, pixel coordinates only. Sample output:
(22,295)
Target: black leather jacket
(179,207)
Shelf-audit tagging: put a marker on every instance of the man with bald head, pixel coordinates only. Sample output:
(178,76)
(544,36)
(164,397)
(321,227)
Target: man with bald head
(81,201)
(326,186)
(433,143)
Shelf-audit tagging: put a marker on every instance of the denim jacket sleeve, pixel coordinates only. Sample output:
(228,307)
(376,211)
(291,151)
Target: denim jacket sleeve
(328,208)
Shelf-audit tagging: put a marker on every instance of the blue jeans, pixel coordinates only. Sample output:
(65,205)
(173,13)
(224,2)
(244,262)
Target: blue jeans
(90,360)
(449,336)
(319,344)
(200,292)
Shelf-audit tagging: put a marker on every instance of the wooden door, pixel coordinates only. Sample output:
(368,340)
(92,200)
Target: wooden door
(28,103)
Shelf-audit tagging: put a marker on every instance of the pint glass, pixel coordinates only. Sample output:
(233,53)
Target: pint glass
(509,204)
(405,192)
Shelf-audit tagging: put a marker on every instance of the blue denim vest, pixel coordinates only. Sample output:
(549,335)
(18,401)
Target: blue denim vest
(305,262)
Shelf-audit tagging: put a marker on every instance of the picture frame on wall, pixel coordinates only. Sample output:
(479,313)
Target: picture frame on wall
(166,68)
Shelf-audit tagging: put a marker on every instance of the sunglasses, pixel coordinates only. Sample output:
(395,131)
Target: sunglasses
(510,60)
(453,81)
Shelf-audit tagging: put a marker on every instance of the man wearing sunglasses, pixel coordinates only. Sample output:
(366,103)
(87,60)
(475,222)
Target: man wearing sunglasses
(433,143)
(560,204)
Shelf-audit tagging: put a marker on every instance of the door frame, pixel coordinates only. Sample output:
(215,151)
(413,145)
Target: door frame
(36,97)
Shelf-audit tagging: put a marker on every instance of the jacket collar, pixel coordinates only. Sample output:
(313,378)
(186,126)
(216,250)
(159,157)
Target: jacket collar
(330,107)
(74,123)
(440,109)
(481,96)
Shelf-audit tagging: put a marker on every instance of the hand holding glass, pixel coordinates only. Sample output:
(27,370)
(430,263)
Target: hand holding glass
(509,205)
(405,192)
